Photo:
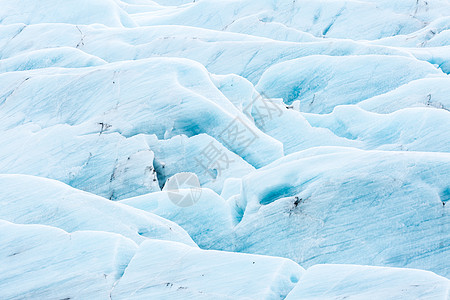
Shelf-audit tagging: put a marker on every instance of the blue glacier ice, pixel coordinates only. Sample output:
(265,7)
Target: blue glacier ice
(234,149)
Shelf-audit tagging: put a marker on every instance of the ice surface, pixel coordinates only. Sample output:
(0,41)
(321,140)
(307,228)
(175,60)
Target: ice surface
(177,271)
(66,57)
(85,157)
(316,131)
(282,212)
(100,265)
(323,82)
(220,52)
(42,262)
(428,92)
(209,221)
(432,35)
(183,154)
(326,212)
(363,282)
(412,129)
(48,263)
(321,18)
(33,200)
(105,12)
(189,104)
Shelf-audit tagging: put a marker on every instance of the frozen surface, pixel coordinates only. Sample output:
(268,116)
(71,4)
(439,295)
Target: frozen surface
(178,271)
(411,129)
(282,212)
(183,154)
(428,92)
(321,18)
(316,131)
(326,213)
(209,221)
(363,282)
(220,52)
(105,12)
(33,200)
(323,82)
(126,103)
(48,263)
(54,57)
(42,262)
(84,157)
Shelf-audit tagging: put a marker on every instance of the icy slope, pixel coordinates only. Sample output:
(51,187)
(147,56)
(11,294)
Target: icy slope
(342,19)
(141,139)
(180,272)
(377,208)
(395,131)
(209,222)
(41,262)
(99,265)
(323,82)
(427,92)
(34,200)
(108,165)
(362,282)
(334,200)
(119,269)
(105,12)
(127,95)
(219,52)
(181,154)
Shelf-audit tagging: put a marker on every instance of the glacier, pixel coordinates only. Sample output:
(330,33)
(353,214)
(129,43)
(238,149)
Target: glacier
(234,149)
